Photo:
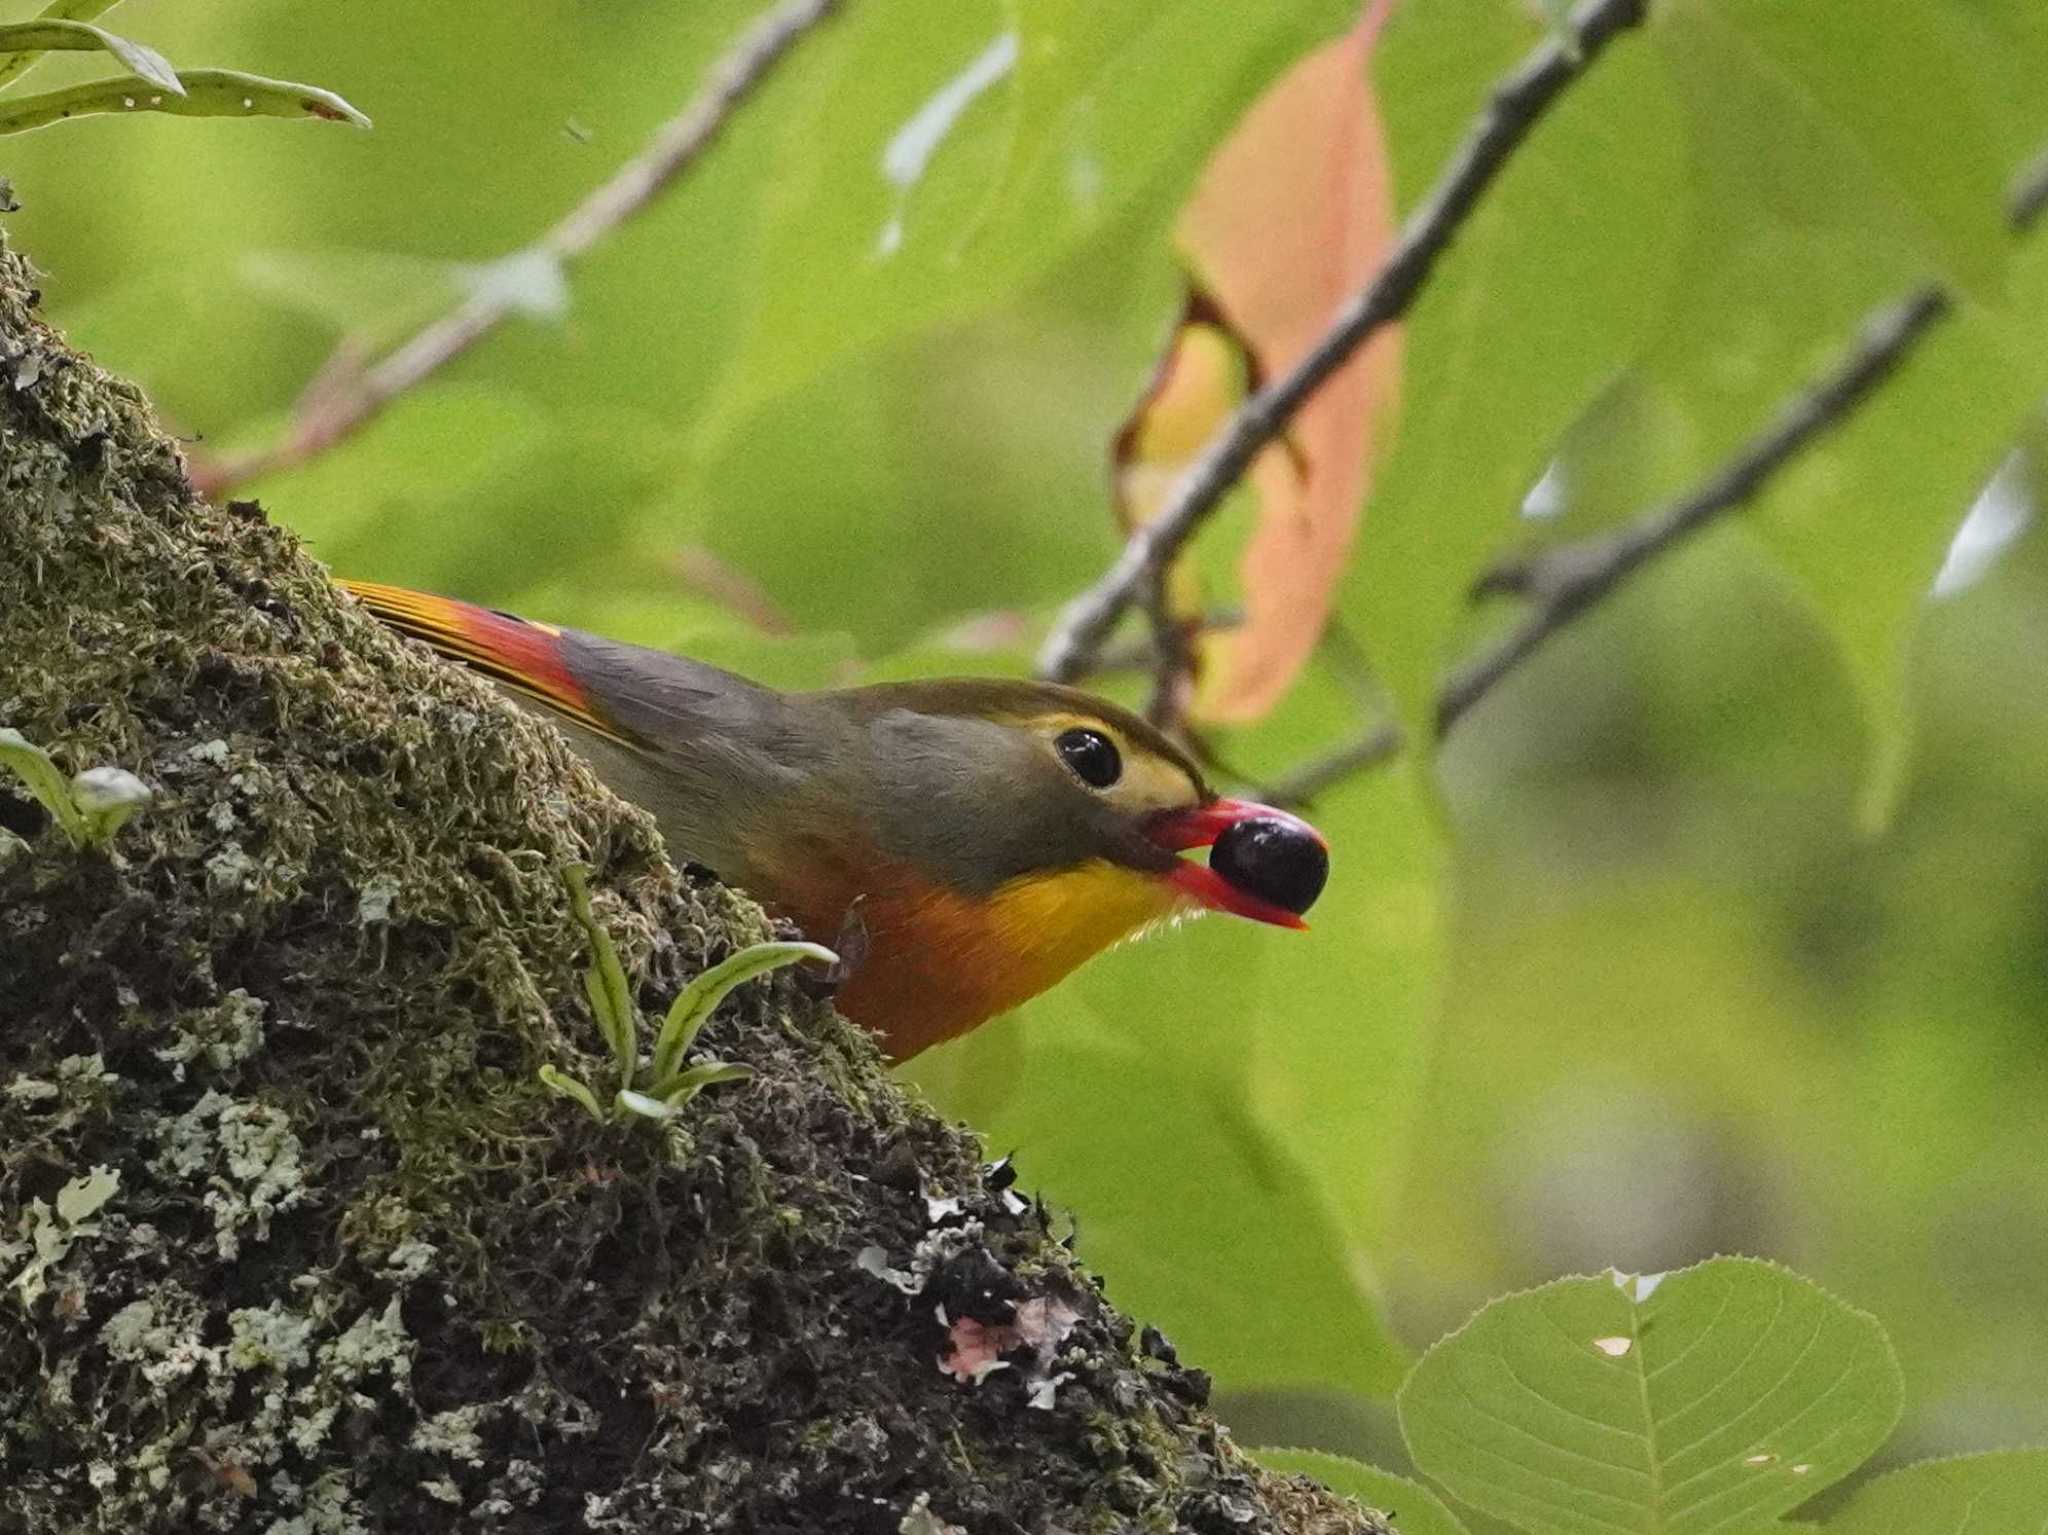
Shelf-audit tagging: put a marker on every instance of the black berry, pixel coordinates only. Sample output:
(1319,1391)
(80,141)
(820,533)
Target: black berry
(1277,861)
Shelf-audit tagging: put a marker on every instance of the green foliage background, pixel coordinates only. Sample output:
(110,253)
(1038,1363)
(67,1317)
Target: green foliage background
(1723,927)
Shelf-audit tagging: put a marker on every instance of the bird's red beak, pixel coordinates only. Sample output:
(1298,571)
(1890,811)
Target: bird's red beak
(1199,826)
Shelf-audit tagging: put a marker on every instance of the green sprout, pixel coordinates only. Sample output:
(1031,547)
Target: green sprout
(89,807)
(662,1088)
(151,85)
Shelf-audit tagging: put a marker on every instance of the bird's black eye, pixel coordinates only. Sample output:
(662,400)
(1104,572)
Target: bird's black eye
(1092,756)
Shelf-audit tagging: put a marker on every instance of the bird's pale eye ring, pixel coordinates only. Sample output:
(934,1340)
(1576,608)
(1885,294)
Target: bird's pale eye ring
(1090,756)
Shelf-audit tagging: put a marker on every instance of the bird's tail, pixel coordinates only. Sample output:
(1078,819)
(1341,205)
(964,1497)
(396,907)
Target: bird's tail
(518,653)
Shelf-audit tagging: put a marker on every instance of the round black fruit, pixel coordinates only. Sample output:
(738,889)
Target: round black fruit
(1278,861)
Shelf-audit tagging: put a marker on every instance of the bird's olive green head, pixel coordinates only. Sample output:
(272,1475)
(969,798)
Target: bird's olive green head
(982,781)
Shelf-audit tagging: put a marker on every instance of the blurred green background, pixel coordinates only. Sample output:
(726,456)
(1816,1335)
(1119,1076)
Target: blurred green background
(1722,927)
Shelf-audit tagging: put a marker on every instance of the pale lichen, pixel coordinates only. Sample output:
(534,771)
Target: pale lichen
(46,1233)
(225,1034)
(247,1157)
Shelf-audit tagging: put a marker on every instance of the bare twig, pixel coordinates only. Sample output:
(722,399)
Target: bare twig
(346,397)
(1174,661)
(1511,111)
(1377,744)
(1140,654)
(700,571)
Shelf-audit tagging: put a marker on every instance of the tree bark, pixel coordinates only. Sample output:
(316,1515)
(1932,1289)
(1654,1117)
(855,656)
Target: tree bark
(355,1269)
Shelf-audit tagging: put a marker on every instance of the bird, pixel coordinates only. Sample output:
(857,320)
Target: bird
(964,843)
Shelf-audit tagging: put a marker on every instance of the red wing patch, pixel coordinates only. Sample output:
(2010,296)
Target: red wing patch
(523,655)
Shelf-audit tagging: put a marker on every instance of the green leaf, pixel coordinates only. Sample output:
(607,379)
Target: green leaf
(14,67)
(939,154)
(2007,43)
(606,1018)
(1931,157)
(207,93)
(462,490)
(1410,1507)
(974,1079)
(1341,1026)
(645,1106)
(1862,521)
(681,1088)
(1196,1215)
(604,983)
(90,807)
(2004,1492)
(45,780)
(563,1085)
(439,464)
(1708,1400)
(37,37)
(1550,289)
(696,1002)
(1807,216)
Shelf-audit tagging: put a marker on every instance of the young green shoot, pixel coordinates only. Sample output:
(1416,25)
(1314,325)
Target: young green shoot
(665,1086)
(151,84)
(88,807)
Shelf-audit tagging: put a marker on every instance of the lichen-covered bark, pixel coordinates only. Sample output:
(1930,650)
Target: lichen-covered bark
(291,1240)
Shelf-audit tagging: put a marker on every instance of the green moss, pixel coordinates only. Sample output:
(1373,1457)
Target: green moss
(359,1271)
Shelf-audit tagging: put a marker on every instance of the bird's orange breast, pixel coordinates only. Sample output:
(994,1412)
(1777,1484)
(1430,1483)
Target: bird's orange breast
(940,962)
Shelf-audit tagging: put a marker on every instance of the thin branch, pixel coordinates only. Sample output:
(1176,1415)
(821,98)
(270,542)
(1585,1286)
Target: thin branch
(1377,744)
(347,398)
(1140,653)
(1173,665)
(703,573)
(1511,111)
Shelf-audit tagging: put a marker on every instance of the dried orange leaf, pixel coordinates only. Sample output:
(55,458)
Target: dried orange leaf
(1290,216)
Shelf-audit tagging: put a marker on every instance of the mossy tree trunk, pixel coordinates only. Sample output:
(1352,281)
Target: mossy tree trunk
(291,1239)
